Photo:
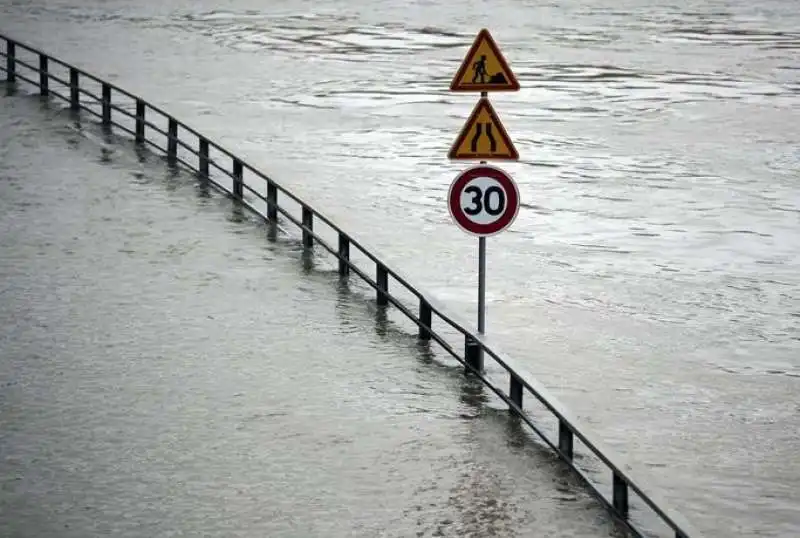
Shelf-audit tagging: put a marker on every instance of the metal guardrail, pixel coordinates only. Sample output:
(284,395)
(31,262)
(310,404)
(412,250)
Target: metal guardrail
(41,71)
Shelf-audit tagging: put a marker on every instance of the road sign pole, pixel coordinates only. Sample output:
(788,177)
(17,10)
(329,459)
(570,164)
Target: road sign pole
(481,284)
(482,272)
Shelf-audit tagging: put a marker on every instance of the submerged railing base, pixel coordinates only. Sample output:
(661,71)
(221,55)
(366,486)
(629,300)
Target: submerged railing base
(209,158)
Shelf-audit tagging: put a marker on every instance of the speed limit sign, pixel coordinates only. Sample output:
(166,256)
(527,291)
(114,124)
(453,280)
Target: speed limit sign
(483,200)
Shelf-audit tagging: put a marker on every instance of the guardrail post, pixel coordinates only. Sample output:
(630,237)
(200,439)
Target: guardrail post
(272,202)
(565,439)
(74,90)
(382,279)
(473,354)
(620,500)
(140,112)
(344,255)
(11,61)
(515,391)
(203,154)
(238,182)
(44,81)
(308,227)
(426,319)
(172,141)
(106,105)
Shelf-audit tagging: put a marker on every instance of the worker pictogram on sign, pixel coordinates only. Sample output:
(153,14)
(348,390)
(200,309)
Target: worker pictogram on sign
(483,137)
(484,68)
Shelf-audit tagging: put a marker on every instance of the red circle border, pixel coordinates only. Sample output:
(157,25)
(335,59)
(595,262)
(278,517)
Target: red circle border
(454,200)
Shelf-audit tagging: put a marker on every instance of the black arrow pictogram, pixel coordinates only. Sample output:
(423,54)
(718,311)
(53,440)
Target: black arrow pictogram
(492,141)
(478,133)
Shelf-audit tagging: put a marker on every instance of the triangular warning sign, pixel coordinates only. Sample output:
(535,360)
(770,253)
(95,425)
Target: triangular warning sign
(483,137)
(484,68)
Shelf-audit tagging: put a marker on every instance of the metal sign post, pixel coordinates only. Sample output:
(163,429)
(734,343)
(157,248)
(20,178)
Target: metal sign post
(481,285)
(482,270)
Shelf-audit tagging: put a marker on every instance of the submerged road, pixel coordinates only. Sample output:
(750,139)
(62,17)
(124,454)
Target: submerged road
(165,370)
(652,277)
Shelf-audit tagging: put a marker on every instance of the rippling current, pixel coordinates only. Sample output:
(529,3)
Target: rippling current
(651,277)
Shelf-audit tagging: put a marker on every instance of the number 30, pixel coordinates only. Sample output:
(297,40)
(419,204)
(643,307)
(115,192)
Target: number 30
(483,200)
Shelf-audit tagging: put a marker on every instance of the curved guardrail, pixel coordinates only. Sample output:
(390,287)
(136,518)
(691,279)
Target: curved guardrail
(183,143)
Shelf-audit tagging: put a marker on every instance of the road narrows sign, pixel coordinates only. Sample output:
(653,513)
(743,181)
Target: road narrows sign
(483,137)
(483,200)
(484,68)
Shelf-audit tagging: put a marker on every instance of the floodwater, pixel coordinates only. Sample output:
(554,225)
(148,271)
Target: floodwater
(651,278)
(167,372)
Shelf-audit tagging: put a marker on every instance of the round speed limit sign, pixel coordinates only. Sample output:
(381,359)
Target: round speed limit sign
(483,200)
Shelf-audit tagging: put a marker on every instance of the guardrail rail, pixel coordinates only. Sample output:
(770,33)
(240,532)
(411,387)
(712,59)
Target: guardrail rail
(187,147)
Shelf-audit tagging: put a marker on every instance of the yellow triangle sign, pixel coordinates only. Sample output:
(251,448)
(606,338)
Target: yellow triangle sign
(483,137)
(484,68)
